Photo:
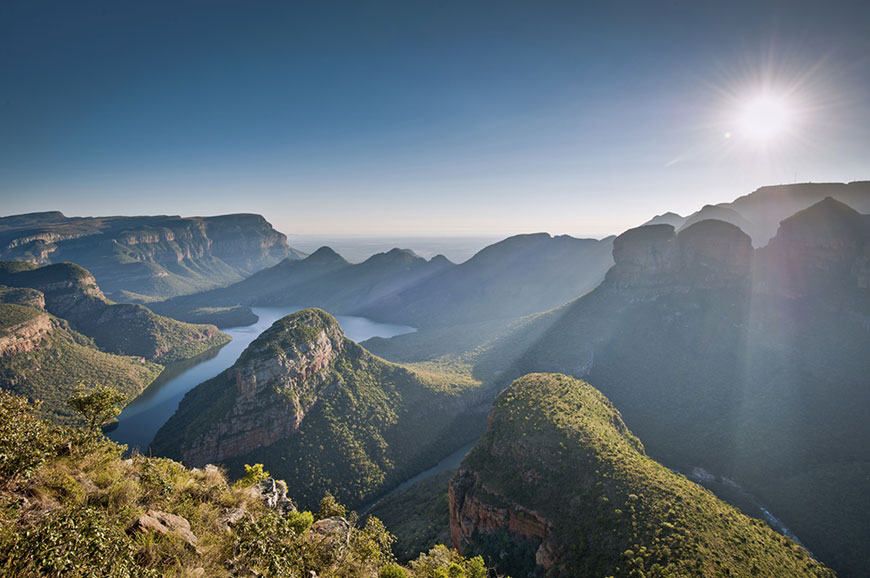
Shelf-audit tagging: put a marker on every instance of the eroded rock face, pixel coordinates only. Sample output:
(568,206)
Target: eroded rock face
(469,514)
(276,380)
(655,259)
(818,249)
(26,336)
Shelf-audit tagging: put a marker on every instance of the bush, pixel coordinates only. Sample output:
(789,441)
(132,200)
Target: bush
(25,441)
(254,474)
(392,571)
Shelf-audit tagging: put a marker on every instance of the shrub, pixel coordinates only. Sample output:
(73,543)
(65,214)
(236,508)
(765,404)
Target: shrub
(25,441)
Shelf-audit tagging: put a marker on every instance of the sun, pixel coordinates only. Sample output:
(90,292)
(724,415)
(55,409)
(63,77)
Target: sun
(764,119)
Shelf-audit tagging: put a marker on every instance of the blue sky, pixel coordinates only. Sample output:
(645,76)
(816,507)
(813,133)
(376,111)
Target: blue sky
(405,117)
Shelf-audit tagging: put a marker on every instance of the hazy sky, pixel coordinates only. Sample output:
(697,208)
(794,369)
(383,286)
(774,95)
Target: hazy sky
(406,117)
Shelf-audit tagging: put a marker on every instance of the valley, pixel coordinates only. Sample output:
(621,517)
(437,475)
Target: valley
(755,372)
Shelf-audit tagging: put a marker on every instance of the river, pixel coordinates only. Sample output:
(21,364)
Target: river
(141,419)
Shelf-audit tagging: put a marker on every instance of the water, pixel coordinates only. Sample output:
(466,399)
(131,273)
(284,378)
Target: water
(140,420)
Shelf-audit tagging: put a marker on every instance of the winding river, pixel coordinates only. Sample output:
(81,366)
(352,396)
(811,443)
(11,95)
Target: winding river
(141,419)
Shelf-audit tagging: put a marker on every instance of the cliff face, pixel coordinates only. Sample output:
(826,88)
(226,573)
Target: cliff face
(140,257)
(818,251)
(559,486)
(25,335)
(275,382)
(654,259)
(471,515)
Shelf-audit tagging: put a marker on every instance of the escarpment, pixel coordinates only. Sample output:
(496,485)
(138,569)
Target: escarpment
(142,258)
(559,486)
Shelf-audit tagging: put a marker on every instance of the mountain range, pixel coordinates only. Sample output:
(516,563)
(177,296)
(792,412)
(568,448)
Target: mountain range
(150,257)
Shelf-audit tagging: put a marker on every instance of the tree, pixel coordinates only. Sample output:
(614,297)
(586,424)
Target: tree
(98,405)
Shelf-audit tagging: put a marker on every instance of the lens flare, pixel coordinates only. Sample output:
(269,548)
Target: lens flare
(765,118)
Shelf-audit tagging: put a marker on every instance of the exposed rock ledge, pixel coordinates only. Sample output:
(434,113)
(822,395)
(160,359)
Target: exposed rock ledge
(26,336)
(468,514)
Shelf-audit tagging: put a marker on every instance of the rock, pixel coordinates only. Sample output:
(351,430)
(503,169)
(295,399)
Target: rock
(273,493)
(277,380)
(335,528)
(164,523)
(654,260)
(231,516)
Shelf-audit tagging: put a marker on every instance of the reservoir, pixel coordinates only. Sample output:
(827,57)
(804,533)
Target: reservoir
(141,419)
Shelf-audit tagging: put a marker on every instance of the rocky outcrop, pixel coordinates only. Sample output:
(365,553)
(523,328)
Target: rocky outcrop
(25,336)
(273,494)
(470,514)
(818,251)
(157,522)
(653,259)
(22,296)
(71,292)
(274,383)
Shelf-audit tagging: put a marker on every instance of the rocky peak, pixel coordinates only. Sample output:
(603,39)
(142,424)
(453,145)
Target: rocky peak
(325,255)
(816,249)
(706,254)
(717,250)
(274,383)
(294,349)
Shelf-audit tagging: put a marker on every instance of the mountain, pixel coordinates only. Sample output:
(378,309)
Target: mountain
(559,486)
(674,220)
(148,258)
(73,506)
(323,279)
(515,277)
(759,213)
(71,292)
(750,364)
(322,413)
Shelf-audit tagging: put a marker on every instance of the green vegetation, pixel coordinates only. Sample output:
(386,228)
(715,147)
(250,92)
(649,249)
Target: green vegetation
(558,450)
(71,292)
(417,515)
(60,360)
(235,316)
(71,506)
(97,405)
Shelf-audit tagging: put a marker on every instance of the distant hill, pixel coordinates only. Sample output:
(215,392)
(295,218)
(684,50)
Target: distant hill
(322,413)
(147,258)
(559,486)
(749,363)
(759,213)
(514,277)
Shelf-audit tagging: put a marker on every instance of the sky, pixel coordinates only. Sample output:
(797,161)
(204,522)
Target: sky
(426,118)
